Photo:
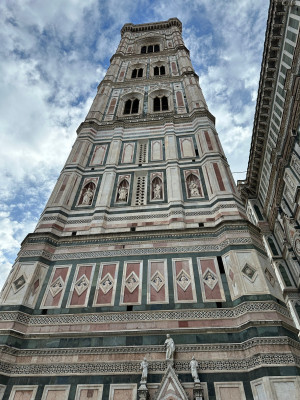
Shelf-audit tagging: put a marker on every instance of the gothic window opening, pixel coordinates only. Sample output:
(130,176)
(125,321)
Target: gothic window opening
(131,106)
(156,189)
(123,190)
(150,49)
(160,104)
(159,70)
(137,73)
(87,194)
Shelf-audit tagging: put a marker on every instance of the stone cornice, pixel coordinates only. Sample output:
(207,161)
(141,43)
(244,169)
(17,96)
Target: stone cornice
(152,26)
(269,70)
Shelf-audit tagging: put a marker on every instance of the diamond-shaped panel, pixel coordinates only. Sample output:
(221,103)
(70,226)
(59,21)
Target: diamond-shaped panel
(57,286)
(132,282)
(157,281)
(183,280)
(82,284)
(19,283)
(210,278)
(106,283)
(249,272)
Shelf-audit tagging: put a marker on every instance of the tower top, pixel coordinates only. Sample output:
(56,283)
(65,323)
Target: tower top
(152,26)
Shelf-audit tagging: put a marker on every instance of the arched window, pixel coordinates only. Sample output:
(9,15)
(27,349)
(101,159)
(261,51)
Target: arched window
(137,73)
(156,48)
(140,73)
(159,70)
(134,73)
(150,49)
(160,104)
(144,49)
(131,106)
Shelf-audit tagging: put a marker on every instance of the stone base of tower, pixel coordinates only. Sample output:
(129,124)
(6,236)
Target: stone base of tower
(79,315)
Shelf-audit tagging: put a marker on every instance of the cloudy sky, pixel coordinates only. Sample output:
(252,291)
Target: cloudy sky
(53,54)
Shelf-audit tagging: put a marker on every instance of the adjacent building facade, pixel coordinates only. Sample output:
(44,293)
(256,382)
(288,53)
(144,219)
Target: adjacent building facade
(271,190)
(144,278)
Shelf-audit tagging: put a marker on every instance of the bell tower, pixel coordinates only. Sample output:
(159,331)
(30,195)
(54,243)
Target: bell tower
(144,277)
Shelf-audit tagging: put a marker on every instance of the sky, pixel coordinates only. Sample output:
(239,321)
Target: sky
(53,55)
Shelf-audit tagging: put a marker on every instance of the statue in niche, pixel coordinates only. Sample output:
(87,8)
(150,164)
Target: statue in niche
(157,192)
(144,368)
(123,191)
(193,366)
(170,348)
(88,197)
(194,190)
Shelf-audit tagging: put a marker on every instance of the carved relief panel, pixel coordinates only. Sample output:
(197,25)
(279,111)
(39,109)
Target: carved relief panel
(106,284)
(81,286)
(157,288)
(184,282)
(56,287)
(131,292)
(210,280)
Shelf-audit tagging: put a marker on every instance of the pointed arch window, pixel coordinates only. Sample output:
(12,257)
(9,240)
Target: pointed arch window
(150,49)
(159,70)
(137,73)
(131,106)
(160,104)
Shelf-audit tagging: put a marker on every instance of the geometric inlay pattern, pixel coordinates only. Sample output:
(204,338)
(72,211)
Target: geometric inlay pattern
(157,281)
(57,286)
(19,283)
(106,283)
(132,282)
(183,279)
(82,284)
(210,278)
(249,272)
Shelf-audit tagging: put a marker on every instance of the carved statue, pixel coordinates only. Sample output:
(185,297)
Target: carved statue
(194,191)
(157,192)
(193,366)
(170,348)
(144,368)
(88,197)
(123,192)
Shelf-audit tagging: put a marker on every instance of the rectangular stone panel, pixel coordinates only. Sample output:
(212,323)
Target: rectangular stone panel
(131,292)
(123,392)
(184,282)
(157,288)
(23,392)
(81,286)
(210,280)
(128,152)
(56,287)
(156,150)
(230,391)
(89,392)
(56,392)
(106,284)
(99,155)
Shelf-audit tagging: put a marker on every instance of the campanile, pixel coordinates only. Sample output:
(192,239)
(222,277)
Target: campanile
(144,278)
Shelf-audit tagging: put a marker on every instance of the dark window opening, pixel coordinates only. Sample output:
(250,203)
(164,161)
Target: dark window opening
(150,49)
(44,312)
(144,49)
(200,224)
(131,107)
(129,308)
(196,152)
(219,304)
(162,70)
(156,48)
(156,104)
(140,73)
(156,71)
(164,103)
(160,104)
(74,233)
(272,246)
(132,229)
(221,265)
(159,70)
(258,213)
(134,73)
